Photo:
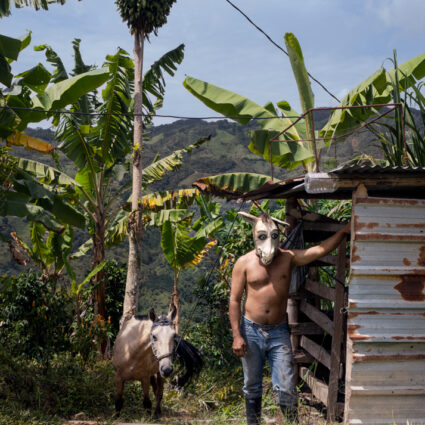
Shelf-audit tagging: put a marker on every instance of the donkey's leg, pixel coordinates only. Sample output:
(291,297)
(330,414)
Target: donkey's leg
(147,404)
(119,383)
(153,384)
(158,394)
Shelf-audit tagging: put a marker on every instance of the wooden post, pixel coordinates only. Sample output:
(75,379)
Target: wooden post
(292,306)
(337,333)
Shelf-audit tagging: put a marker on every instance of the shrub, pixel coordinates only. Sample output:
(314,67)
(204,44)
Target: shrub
(35,316)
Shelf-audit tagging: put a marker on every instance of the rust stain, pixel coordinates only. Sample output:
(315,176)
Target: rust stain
(411,287)
(357,337)
(352,333)
(406,261)
(372,225)
(410,225)
(377,201)
(409,338)
(355,257)
(393,357)
(421,258)
(357,225)
(390,237)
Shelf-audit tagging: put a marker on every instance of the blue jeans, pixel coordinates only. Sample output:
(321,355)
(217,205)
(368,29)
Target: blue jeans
(273,342)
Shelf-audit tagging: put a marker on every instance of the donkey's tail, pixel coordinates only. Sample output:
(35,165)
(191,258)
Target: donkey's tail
(190,358)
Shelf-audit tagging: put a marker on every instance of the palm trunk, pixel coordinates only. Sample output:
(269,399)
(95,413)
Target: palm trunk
(135,225)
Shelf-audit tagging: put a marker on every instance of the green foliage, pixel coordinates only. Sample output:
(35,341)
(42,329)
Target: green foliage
(376,89)
(409,148)
(30,394)
(6,5)
(35,316)
(144,15)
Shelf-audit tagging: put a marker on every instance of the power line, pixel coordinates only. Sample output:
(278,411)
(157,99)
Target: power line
(280,48)
(95,114)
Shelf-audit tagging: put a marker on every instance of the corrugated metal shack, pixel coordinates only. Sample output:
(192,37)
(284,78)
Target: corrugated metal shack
(384,342)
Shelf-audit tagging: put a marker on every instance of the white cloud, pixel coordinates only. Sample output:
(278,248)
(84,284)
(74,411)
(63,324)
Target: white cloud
(405,15)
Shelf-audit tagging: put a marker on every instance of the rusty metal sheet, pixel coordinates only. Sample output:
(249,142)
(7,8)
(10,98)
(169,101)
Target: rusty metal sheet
(385,381)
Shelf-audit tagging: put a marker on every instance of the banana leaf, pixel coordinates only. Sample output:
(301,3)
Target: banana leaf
(376,89)
(243,110)
(231,185)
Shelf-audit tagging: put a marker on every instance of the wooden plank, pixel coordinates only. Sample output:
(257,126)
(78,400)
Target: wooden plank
(301,356)
(317,316)
(323,227)
(318,352)
(318,388)
(305,328)
(320,290)
(335,358)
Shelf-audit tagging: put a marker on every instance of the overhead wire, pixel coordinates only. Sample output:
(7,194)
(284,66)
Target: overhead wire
(133,114)
(280,48)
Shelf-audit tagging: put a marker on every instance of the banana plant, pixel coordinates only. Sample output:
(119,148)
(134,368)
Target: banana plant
(29,92)
(33,95)
(376,89)
(185,244)
(99,146)
(49,250)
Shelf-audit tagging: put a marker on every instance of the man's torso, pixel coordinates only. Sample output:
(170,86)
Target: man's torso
(267,288)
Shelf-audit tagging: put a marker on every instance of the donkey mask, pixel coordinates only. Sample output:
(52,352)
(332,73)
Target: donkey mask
(266,235)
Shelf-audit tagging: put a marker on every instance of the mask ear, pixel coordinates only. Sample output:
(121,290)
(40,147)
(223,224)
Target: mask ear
(172,314)
(282,223)
(248,217)
(152,315)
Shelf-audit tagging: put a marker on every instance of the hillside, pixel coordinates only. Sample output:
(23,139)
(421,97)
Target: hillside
(226,152)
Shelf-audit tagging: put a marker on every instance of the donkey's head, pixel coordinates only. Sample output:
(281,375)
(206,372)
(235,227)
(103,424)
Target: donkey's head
(266,235)
(162,339)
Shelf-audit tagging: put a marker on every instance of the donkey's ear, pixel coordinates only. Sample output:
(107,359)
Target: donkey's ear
(282,223)
(152,315)
(248,217)
(173,313)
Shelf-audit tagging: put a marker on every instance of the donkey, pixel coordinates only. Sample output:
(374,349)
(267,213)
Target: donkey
(144,351)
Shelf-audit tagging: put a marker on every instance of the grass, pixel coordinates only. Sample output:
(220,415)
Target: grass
(31,394)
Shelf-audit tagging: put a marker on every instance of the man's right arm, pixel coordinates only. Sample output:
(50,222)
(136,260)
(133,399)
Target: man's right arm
(236,292)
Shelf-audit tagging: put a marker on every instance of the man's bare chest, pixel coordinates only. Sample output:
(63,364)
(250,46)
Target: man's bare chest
(278,273)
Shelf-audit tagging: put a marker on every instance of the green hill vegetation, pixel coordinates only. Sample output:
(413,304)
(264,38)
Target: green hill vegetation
(227,151)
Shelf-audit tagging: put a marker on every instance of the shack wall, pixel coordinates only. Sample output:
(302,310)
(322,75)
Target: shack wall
(385,375)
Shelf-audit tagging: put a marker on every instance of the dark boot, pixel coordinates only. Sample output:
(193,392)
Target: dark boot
(290,414)
(253,411)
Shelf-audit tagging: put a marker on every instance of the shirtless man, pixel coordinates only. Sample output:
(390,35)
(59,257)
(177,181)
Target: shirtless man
(264,274)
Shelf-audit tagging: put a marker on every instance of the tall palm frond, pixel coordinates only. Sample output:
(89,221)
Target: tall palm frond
(154,81)
(115,122)
(172,162)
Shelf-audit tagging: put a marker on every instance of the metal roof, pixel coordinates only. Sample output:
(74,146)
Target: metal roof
(399,182)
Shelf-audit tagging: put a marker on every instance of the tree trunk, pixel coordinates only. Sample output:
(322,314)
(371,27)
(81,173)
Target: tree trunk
(99,279)
(135,224)
(175,299)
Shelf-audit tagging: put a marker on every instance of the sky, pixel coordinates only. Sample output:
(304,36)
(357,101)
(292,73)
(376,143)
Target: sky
(343,42)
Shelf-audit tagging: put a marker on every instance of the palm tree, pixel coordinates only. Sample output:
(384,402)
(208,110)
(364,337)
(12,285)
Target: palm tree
(142,17)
